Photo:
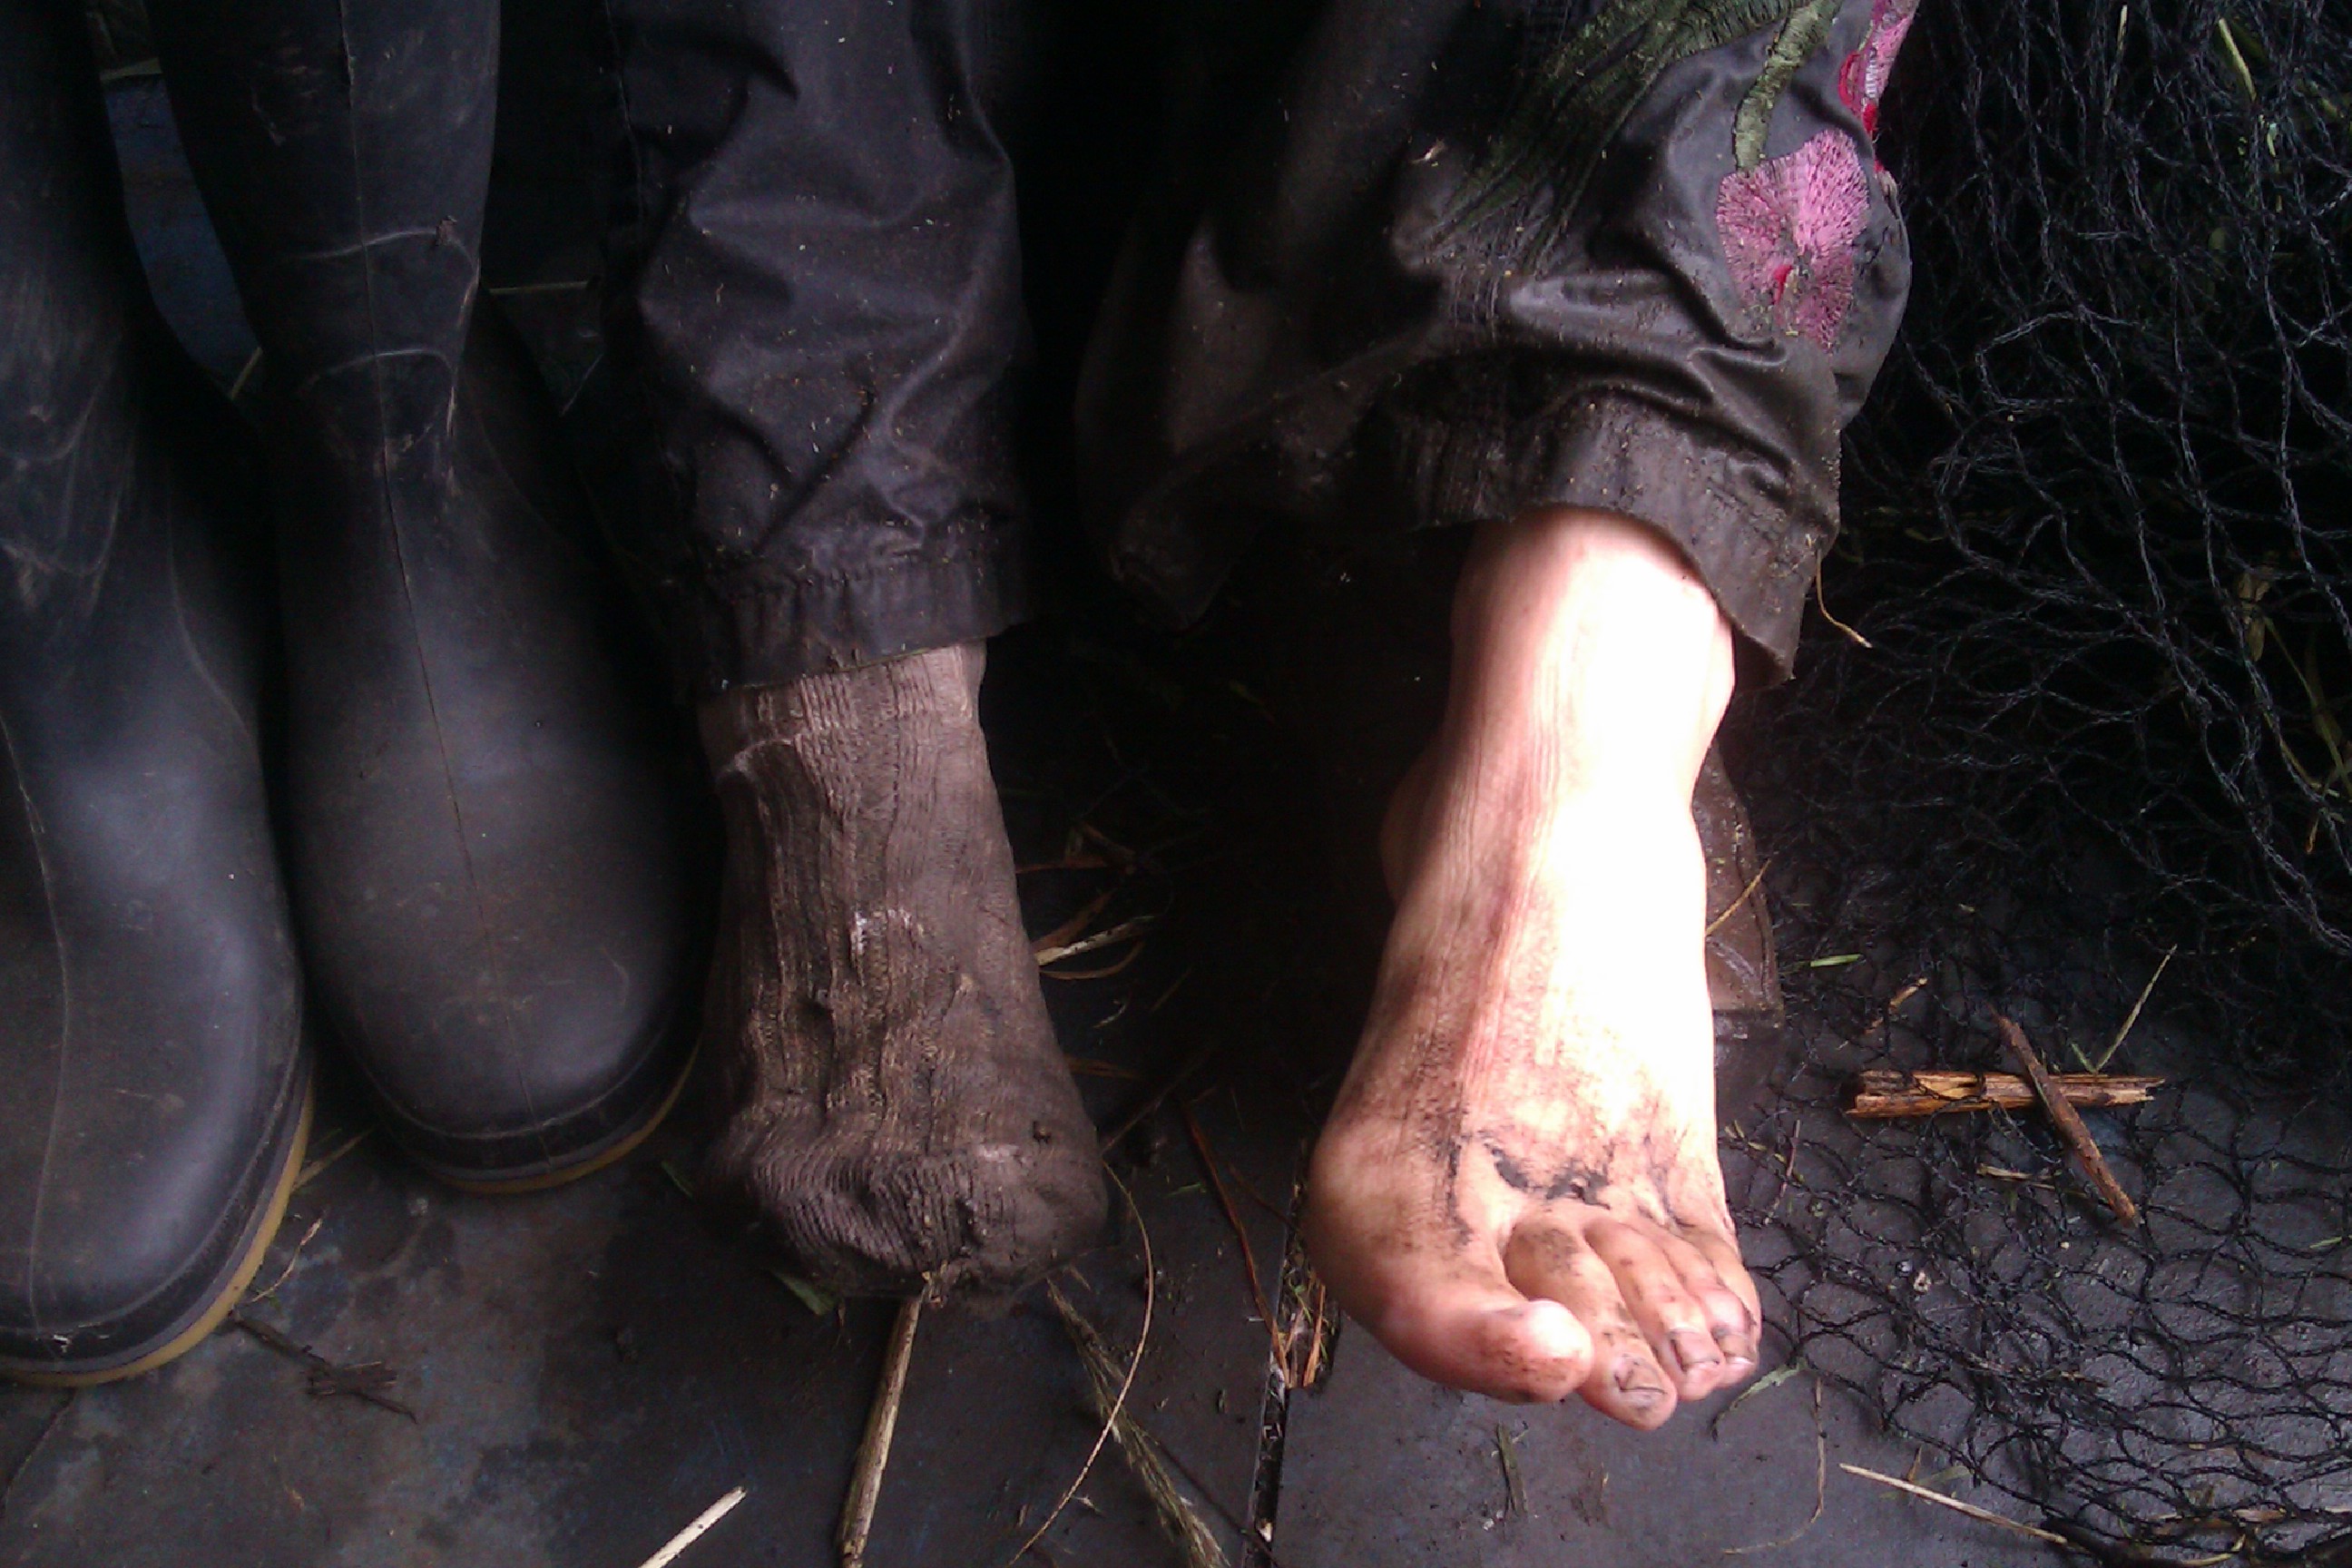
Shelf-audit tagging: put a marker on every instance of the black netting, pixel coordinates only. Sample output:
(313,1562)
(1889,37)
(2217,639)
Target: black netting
(2098,516)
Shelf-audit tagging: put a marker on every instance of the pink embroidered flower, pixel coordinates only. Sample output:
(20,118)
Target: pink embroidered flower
(1862,80)
(1788,228)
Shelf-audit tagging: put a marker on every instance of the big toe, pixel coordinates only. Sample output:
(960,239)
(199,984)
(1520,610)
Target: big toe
(1485,1340)
(1452,1322)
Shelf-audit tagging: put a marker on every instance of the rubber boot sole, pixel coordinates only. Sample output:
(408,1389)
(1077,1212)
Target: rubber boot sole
(223,1301)
(622,1144)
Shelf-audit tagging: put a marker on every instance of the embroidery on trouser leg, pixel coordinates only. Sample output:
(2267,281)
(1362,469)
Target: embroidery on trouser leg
(1789,227)
(1571,105)
(1862,80)
(1800,39)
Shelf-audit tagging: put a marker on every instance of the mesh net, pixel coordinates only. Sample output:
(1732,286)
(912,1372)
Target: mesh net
(2083,732)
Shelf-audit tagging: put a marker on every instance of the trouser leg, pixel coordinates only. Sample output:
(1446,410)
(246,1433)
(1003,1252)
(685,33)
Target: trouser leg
(1453,261)
(818,300)
(817,305)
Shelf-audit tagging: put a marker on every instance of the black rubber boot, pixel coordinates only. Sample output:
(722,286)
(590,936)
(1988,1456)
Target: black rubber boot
(488,848)
(157,1093)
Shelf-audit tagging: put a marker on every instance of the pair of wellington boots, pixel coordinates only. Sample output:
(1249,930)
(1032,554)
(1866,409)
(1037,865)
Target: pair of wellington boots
(470,875)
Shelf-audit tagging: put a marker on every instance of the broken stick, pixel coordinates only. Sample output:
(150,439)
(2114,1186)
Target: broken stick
(874,1452)
(2070,1123)
(1881,1093)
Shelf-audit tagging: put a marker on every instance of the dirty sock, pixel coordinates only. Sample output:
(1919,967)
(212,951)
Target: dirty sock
(894,1102)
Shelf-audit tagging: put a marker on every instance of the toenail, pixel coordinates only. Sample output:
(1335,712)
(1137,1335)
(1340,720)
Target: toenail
(1635,1384)
(1693,1349)
(1553,1329)
(1740,1366)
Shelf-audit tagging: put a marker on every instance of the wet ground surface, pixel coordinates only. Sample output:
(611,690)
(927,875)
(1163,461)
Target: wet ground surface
(567,1379)
(422,1376)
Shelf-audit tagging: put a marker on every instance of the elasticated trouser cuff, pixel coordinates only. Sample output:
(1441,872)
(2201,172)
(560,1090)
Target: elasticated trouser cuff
(816,330)
(1353,320)
(748,626)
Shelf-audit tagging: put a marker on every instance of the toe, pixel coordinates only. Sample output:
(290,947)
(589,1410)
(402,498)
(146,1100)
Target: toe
(1731,1322)
(1481,1336)
(1439,1312)
(1670,1318)
(1718,1258)
(1626,1382)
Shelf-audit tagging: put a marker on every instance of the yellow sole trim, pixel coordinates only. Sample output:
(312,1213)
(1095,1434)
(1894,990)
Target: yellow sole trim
(197,1331)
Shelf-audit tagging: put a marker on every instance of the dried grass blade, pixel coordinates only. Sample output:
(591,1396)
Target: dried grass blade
(1983,1515)
(1125,1383)
(1241,1234)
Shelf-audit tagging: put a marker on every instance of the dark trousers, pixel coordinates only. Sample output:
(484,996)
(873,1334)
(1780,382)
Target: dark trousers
(1402,263)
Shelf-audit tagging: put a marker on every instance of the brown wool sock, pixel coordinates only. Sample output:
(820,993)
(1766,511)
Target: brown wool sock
(895,1102)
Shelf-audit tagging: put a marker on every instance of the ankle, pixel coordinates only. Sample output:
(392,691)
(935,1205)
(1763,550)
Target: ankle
(935,689)
(1587,648)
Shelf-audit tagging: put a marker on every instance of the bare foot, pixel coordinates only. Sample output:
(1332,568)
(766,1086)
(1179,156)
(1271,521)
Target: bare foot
(1517,1190)
(894,1102)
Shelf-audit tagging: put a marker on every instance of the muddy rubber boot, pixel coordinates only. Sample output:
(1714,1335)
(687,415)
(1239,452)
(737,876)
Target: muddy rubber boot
(150,1012)
(487,839)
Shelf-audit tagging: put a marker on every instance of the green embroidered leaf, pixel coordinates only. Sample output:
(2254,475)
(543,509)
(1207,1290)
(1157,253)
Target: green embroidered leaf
(1573,103)
(1801,38)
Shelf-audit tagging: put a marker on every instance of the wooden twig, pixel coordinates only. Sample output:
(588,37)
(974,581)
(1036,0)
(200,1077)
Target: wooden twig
(1880,1093)
(252,363)
(553,285)
(1822,601)
(1123,932)
(365,1381)
(1787,1164)
(2070,1123)
(2132,1016)
(1100,971)
(1738,903)
(1983,1515)
(287,1272)
(1886,1017)
(1305,1307)
(695,1532)
(874,1450)
(1069,930)
(325,1163)
(1515,1486)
